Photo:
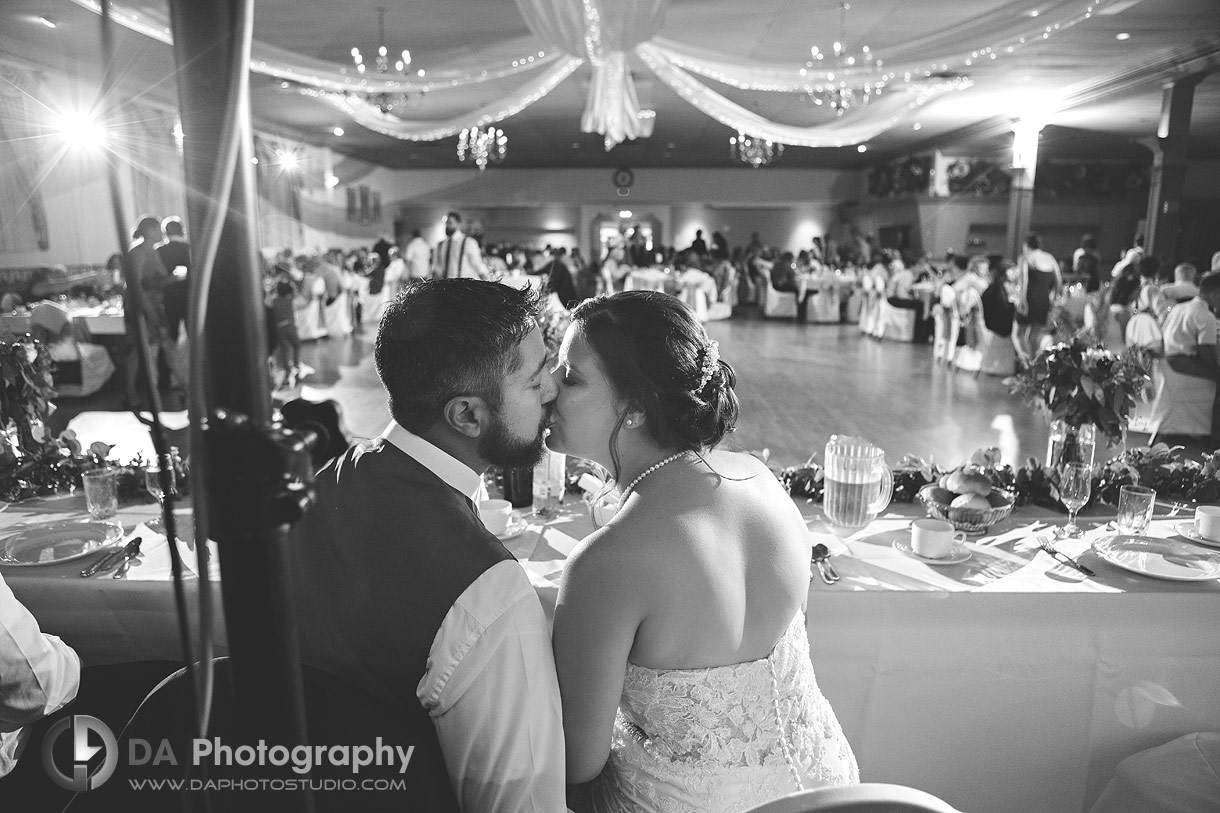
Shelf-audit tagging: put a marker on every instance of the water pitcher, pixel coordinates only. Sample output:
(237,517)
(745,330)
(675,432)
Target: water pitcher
(858,483)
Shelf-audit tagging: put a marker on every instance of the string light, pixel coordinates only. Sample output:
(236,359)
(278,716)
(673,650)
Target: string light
(838,93)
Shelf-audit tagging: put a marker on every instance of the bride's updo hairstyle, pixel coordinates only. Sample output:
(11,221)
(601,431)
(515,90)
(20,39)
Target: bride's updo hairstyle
(659,360)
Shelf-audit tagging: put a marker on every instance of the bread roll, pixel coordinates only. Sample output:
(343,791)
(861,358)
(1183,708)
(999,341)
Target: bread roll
(969,482)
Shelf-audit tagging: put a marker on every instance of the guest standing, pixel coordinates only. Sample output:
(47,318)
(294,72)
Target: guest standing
(146,278)
(1190,341)
(418,256)
(1038,281)
(459,254)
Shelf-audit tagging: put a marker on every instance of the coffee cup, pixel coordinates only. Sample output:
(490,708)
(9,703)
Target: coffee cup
(934,538)
(495,515)
(1207,522)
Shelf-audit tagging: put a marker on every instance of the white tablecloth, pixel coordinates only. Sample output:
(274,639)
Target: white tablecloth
(1005,683)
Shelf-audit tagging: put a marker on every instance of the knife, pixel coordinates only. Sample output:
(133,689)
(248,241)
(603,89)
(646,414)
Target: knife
(104,563)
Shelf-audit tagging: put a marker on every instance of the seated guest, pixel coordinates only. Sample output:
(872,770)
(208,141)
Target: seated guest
(998,311)
(899,293)
(785,277)
(977,277)
(1190,338)
(39,674)
(1185,285)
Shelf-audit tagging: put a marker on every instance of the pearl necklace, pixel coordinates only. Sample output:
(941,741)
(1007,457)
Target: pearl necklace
(631,486)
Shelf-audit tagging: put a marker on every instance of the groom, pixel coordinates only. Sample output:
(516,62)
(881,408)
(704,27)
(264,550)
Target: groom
(401,591)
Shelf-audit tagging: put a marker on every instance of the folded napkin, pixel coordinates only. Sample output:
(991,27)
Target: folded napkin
(154,559)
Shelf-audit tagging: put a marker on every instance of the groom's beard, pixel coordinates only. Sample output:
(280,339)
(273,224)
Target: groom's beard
(500,448)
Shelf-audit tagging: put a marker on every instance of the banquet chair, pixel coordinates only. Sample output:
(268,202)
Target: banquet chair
(894,324)
(722,308)
(81,367)
(869,797)
(869,304)
(776,304)
(990,353)
(310,312)
(824,304)
(852,304)
(338,316)
(1177,404)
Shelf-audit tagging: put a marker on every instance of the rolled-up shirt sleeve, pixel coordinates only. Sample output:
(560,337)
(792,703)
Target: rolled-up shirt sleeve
(39,674)
(491,690)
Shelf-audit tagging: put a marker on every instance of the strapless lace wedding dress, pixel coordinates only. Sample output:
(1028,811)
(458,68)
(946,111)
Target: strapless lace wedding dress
(723,739)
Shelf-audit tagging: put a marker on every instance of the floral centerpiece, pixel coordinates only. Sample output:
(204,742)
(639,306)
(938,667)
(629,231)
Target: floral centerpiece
(1086,388)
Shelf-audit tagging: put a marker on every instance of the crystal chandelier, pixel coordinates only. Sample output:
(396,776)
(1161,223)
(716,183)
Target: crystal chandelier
(385,102)
(836,91)
(482,146)
(756,152)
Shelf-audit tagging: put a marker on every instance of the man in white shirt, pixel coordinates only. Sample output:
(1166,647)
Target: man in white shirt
(1184,286)
(402,592)
(418,256)
(459,254)
(39,674)
(1190,339)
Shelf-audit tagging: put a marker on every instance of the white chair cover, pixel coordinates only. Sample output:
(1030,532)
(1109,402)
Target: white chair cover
(894,324)
(338,315)
(852,305)
(776,304)
(51,323)
(824,304)
(311,323)
(1177,777)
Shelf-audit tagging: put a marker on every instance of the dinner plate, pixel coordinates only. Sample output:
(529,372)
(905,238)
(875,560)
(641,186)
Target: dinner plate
(1160,558)
(516,526)
(48,543)
(1187,529)
(957,555)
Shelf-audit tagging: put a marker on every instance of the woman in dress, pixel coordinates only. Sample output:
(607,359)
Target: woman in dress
(680,638)
(1038,282)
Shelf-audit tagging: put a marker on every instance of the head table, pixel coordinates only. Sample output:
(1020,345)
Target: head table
(1007,682)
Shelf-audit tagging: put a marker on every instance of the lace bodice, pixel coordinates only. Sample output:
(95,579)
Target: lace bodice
(724,738)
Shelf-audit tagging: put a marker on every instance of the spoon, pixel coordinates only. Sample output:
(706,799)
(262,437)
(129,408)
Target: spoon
(821,555)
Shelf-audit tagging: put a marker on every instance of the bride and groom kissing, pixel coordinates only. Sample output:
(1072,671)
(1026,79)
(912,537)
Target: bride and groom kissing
(678,676)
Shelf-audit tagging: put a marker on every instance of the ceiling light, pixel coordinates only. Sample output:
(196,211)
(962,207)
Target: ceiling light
(80,130)
(47,21)
(382,60)
(836,91)
(338,131)
(624,214)
(916,126)
(1034,13)
(756,152)
(862,148)
(482,146)
(289,160)
(331,180)
(1122,37)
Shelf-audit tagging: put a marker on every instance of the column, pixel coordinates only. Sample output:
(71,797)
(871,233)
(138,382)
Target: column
(1169,169)
(1021,194)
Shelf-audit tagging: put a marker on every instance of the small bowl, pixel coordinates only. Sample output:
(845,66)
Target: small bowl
(970,520)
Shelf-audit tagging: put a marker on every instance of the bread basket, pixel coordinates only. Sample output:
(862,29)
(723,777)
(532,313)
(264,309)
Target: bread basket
(970,520)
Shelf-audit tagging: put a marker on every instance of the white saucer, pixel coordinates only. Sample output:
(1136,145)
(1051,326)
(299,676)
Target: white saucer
(957,555)
(516,527)
(1187,529)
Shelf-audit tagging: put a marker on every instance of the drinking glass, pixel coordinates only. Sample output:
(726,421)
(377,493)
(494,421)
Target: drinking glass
(101,492)
(858,483)
(1135,506)
(1075,487)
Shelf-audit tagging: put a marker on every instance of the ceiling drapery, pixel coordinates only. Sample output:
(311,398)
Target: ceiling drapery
(607,35)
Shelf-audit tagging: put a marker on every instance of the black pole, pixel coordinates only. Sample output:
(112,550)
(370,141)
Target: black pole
(242,478)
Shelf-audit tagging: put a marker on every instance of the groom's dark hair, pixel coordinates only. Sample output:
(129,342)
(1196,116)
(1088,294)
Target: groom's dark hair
(441,338)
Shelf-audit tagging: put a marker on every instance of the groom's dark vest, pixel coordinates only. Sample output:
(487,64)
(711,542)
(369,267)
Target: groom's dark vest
(377,564)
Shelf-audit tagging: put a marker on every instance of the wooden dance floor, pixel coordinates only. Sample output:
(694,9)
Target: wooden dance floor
(798,384)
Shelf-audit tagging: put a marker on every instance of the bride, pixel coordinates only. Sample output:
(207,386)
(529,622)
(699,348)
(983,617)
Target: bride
(680,636)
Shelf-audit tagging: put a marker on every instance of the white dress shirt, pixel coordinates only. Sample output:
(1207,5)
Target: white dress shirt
(490,683)
(463,255)
(418,256)
(1187,326)
(39,674)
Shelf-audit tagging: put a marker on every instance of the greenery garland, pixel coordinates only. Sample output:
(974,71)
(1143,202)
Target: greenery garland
(1160,467)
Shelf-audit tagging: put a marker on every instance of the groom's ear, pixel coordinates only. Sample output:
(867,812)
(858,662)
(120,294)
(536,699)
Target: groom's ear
(467,414)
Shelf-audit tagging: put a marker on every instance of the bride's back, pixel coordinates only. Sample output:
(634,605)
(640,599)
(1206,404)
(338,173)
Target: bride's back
(718,556)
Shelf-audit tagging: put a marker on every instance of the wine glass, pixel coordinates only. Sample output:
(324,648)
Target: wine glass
(152,481)
(1075,487)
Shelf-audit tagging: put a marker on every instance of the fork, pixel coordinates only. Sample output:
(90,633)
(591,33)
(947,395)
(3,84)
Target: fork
(1045,543)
